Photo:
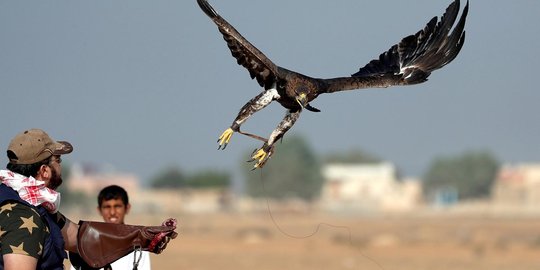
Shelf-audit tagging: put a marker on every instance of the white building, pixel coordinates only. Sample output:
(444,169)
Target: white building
(518,185)
(369,187)
(90,181)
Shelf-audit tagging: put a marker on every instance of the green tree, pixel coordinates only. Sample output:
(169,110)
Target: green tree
(471,174)
(209,179)
(171,177)
(292,172)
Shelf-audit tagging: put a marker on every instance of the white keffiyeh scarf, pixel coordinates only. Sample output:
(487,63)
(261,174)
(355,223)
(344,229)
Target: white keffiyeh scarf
(31,190)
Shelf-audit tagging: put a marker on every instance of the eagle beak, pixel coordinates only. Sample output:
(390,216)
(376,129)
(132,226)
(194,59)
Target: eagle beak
(303,101)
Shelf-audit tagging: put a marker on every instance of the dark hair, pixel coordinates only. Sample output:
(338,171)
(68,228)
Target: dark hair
(27,169)
(113,192)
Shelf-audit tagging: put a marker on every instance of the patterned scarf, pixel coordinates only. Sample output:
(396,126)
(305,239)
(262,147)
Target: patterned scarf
(31,190)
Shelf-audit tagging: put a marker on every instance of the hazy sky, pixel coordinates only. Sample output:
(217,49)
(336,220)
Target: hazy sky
(141,85)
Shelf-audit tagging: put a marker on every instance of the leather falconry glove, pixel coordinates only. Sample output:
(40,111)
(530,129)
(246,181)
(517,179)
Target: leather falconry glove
(100,243)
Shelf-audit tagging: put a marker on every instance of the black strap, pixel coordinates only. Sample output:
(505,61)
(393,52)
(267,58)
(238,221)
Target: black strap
(136,260)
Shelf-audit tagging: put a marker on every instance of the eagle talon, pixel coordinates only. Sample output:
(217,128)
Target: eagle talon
(251,159)
(225,138)
(261,156)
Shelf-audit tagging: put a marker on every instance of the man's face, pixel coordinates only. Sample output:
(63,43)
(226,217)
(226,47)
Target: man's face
(56,173)
(113,211)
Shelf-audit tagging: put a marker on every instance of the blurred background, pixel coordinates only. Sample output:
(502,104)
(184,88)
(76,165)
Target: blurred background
(442,175)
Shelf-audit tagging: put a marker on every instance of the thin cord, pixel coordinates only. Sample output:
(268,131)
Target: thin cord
(348,229)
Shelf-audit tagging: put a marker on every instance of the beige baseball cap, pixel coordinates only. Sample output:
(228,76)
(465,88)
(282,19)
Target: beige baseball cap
(35,145)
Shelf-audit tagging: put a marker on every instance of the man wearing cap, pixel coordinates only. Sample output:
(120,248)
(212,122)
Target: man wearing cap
(33,234)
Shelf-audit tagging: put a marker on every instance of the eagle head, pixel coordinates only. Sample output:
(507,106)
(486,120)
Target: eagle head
(302,99)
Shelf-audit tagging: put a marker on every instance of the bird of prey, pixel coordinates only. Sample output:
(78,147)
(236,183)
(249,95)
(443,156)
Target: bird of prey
(408,62)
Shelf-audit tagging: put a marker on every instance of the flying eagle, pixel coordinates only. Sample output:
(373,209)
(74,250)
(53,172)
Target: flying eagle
(411,61)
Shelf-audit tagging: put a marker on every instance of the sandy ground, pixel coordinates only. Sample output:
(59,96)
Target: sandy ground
(298,241)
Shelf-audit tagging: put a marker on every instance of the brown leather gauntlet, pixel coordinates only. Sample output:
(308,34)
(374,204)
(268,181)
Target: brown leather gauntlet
(101,243)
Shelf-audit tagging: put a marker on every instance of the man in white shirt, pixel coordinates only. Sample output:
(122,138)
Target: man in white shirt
(113,206)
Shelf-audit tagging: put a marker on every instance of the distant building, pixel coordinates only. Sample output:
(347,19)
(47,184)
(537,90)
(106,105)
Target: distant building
(517,185)
(370,187)
(90,181)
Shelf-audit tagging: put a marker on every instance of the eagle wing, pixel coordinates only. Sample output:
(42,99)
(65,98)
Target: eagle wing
(412,60)
(247,55)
